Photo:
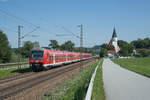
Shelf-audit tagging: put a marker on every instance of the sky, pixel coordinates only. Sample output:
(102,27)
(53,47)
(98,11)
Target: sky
(131,18)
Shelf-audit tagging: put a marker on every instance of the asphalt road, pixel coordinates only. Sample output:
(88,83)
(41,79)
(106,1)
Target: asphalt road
(122,84)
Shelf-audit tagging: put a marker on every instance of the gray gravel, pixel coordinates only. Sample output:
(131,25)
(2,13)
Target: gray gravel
(122,84)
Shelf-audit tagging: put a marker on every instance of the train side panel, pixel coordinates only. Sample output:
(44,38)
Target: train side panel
(44,58)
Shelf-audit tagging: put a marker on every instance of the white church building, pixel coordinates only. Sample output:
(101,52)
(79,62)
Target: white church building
(114,42)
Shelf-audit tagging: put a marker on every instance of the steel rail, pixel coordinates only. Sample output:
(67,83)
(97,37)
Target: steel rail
(7,91)
(2,81)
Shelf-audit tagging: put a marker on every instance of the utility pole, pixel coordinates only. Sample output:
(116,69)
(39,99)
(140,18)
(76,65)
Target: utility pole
(81,41)
(81,36)
(19,45)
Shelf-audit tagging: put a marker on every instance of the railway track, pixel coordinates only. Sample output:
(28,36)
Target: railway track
(29,83)
(16,77)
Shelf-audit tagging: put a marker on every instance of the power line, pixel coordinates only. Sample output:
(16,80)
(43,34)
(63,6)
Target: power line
(30,32)
(67,30)
(18,18)
(62,35)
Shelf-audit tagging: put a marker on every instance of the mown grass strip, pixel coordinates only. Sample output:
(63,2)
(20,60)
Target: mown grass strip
(138,65)
(74,88)
(11,65)
(11,72)
(98,87)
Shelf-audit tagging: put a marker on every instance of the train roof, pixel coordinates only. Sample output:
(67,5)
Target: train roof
(59,51)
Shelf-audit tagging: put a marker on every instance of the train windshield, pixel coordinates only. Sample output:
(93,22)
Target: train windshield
(37,55)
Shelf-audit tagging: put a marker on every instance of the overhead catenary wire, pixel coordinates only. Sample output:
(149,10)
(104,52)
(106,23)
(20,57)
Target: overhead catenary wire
(18,18)
(67,30)
(27,34)
(23,20)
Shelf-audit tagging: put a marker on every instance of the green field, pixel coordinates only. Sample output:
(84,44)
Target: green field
(98,89)
(11,72)
(138,65)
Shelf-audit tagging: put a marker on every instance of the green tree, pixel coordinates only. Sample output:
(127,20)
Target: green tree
(126,49)
(122,43)
(54,44)
(140,44)
(104,45)
(25,50)
(108,47)
(68,46)
(144,53)
(5,49)
(103,52)
(130,49)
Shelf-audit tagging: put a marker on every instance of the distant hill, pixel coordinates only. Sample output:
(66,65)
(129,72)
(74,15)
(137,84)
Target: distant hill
(96,47)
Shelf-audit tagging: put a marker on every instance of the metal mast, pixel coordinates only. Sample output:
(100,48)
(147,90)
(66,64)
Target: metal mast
(81,36)
(19,45)
(81,44)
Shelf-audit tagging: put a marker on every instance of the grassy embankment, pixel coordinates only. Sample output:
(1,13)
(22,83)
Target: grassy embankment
(12,65)
(11,72)
(98,89)
(74,88)
(138,65)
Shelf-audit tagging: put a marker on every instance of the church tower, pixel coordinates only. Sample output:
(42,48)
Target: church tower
(114,41)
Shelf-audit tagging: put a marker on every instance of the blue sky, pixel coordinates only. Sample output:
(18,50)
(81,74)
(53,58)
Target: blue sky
(130,17)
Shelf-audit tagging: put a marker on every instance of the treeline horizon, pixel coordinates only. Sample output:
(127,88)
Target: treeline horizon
(8,54)
(139,47)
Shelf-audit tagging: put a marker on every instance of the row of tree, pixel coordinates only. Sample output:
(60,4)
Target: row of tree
(140,47)
(141,43)
(69,46)
(8,54)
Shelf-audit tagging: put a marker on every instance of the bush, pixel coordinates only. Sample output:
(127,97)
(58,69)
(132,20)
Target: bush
(103,52)
(5,50)
(144,53)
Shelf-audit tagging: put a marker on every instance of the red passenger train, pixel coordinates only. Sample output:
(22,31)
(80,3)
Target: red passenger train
(41,59)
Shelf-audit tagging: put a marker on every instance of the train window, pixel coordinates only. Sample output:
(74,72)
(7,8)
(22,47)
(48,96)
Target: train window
(37,55)
(51,58)
(55,57)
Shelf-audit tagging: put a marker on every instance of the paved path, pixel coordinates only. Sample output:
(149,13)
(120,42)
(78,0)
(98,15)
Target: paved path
(122,84)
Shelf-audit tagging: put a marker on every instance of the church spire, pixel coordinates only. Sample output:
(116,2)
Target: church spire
(114,33)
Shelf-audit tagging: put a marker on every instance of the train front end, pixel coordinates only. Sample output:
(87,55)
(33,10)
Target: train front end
(36,60)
